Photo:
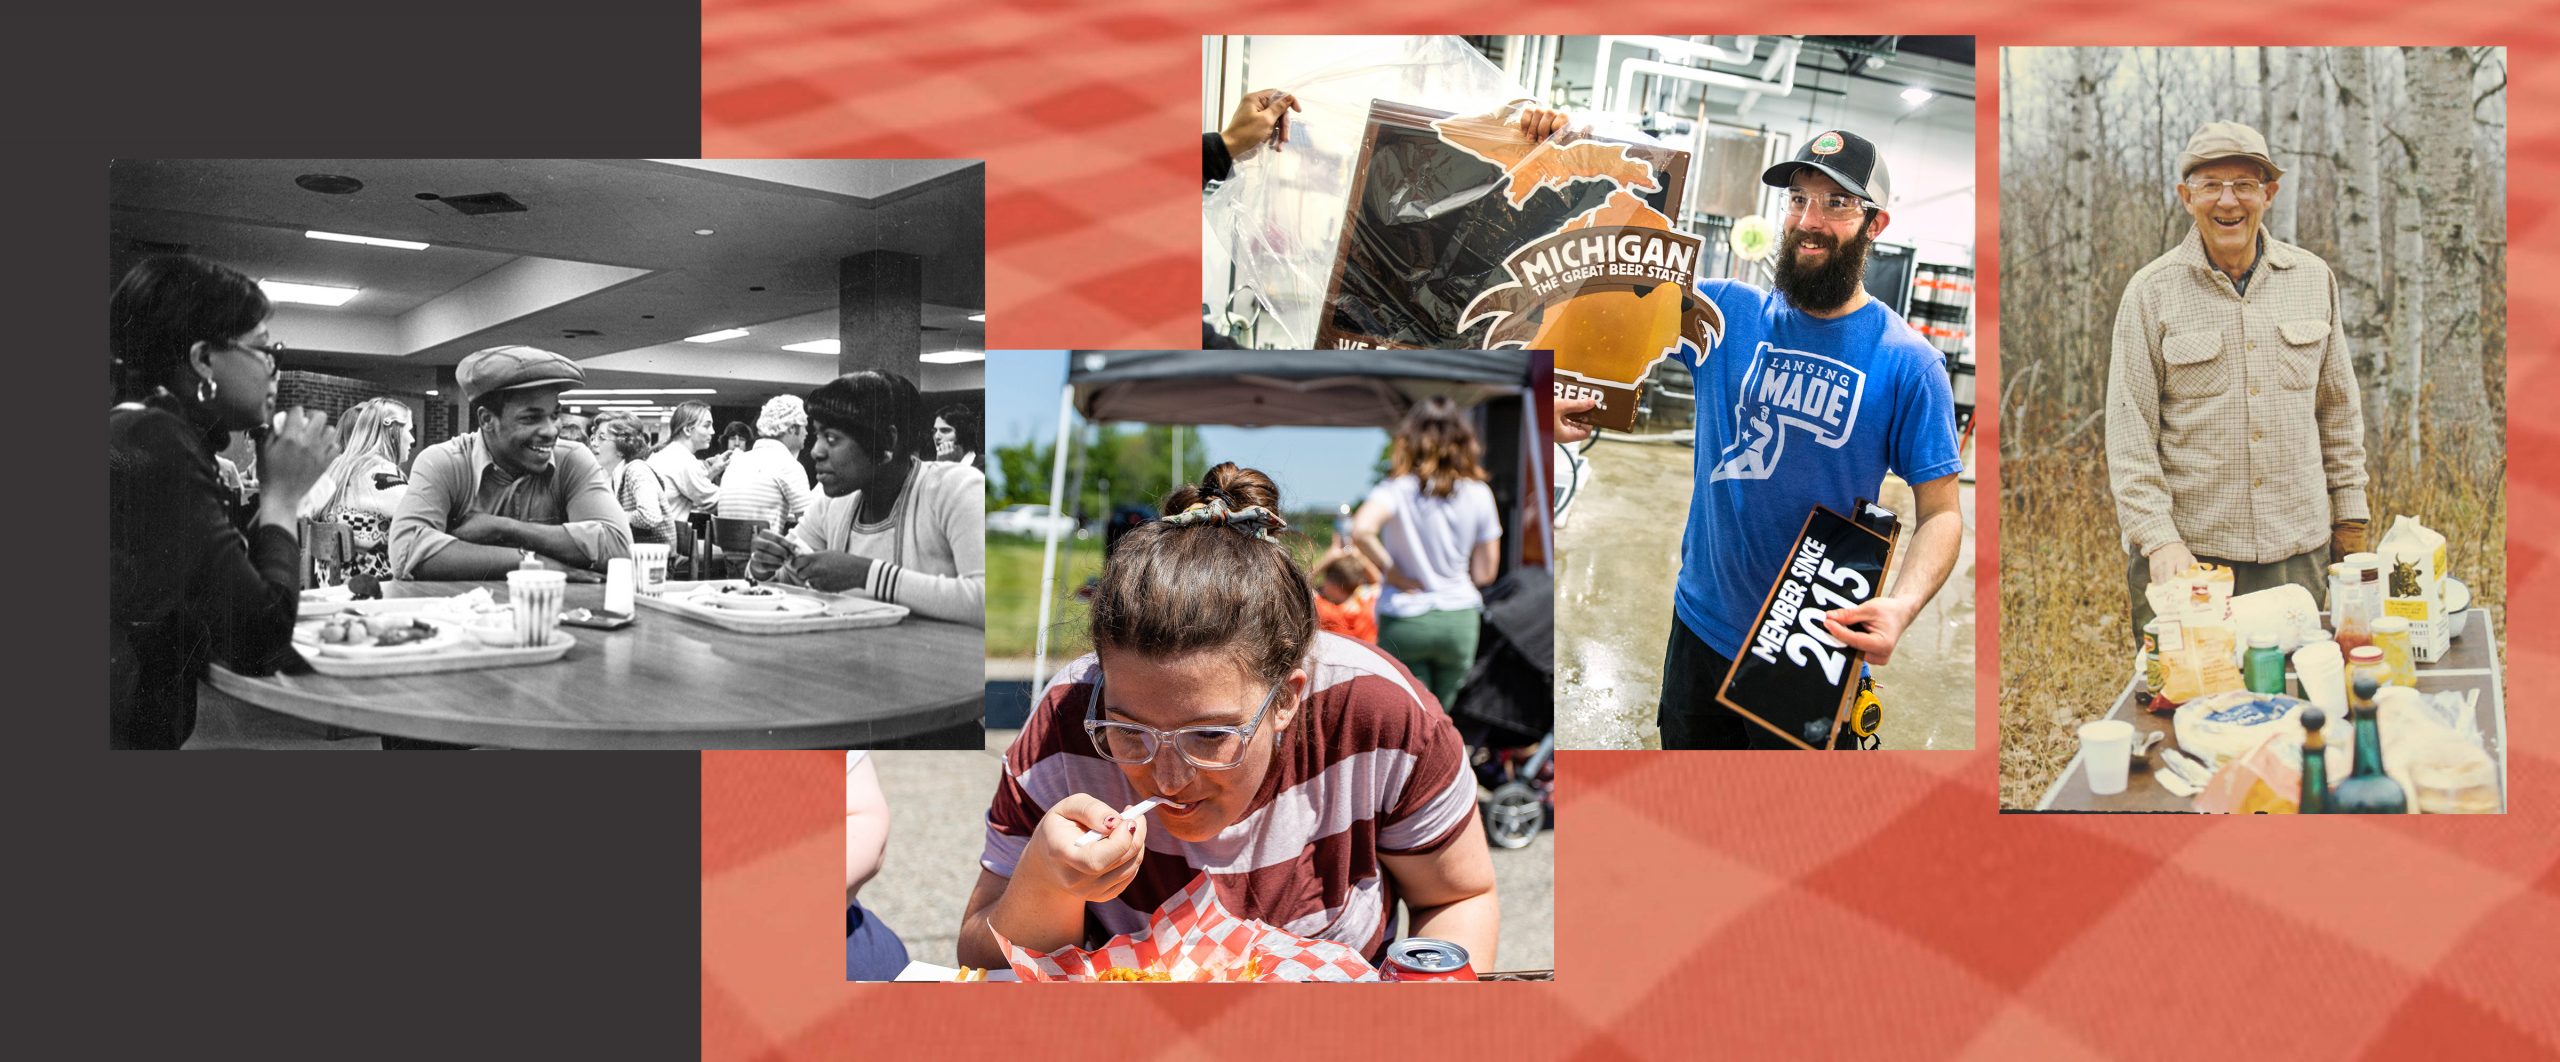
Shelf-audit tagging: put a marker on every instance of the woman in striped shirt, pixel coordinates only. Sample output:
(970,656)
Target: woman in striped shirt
(1315,783)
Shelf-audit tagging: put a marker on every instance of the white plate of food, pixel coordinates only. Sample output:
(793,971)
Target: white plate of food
(749,598)
(376,637)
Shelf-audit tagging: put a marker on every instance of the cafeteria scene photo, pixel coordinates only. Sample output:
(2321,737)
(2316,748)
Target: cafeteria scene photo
(2254,462)
(558,454)
(1753,259)
(1268,684)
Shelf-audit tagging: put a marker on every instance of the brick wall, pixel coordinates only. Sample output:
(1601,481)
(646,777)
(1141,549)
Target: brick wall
(335,395)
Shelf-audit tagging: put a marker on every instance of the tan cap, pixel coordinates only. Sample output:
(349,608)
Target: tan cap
(508,368)
(2225,140)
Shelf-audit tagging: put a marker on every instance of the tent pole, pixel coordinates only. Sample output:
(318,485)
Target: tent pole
(1538,461)
(1049,556)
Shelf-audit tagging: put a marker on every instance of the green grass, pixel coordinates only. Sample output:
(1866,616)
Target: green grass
(1013,596)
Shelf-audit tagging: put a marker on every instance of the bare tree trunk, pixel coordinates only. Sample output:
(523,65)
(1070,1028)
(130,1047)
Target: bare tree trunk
(2409,277)
(2440,79)
(2080,170)
(2359,262)
(2489,124)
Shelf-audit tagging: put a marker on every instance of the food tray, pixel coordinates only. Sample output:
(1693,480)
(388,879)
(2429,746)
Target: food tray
(843,611)
(469,656)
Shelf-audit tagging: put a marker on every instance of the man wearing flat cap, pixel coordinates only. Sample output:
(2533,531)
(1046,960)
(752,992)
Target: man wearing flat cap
(478,503)
(1814,393)
(2234,433)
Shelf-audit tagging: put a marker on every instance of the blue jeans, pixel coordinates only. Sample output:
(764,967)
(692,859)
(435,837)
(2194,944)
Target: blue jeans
(872,951)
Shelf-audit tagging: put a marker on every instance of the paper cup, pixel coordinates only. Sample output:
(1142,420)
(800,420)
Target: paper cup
(2106,752)
(651,559)
(2322,674)
(535,599)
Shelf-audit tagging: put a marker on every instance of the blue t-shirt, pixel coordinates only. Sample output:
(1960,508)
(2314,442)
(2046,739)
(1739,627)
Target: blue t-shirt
(1795,411)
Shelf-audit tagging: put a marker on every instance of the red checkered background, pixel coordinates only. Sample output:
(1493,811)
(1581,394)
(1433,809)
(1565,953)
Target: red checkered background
(1733,904)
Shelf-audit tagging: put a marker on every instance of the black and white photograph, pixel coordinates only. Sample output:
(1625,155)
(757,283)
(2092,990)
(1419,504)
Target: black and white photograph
(621,454)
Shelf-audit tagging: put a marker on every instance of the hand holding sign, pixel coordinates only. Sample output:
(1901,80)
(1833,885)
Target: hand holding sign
(1873,628)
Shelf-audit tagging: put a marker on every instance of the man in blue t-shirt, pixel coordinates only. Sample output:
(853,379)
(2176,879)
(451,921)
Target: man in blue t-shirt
(1814,392)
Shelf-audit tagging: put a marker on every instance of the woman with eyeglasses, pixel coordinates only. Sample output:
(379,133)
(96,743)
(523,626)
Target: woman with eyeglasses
(1309,775)
(363,487)
(193,363)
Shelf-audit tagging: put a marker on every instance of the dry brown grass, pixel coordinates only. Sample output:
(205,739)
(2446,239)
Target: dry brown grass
(2065,648)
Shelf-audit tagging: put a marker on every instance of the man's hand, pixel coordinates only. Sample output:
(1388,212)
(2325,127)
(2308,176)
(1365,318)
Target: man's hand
(1260,116)
(2349,536)
(1873,628)
(485,529)
(1569,430)
(2171,561)
(1539,123)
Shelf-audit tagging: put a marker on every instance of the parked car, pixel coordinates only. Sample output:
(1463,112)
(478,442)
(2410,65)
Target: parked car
(1032,520)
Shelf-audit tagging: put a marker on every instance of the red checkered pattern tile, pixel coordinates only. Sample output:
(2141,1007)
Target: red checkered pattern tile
(1193,937)
(1706,905)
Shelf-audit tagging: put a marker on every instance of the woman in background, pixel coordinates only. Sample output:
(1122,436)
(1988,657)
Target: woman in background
(1435,535)
(691,484)
(194,363)
(619,443)
(363,487)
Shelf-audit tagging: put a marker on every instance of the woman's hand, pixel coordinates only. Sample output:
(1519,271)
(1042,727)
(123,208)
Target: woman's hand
(772,552)
(832,571)
(297,453)
(1095,873)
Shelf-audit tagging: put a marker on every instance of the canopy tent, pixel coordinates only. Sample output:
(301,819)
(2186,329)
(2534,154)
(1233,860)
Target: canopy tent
(1281,388)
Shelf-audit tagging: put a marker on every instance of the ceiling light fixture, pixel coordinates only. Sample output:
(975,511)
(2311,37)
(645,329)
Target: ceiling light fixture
(980,317)
(586,391)
(816,346)
(714,337)
(309,294)
(375,241)
(954,357)
(1915,95)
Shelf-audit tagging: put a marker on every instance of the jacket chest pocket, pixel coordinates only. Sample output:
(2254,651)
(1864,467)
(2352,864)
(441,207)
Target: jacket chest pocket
(2195,367)
(2300,353)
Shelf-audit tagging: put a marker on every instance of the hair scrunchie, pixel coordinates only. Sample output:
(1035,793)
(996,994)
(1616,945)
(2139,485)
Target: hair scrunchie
(1255,521)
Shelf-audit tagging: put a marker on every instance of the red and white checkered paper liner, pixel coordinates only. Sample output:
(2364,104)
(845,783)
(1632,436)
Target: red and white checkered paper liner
(1193,937)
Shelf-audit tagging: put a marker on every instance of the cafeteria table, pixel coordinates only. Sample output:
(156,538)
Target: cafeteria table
(2471,663)
(664,682)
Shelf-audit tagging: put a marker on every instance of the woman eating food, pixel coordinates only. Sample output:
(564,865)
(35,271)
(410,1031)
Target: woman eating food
(362,488)
(1308,775)
(193,363)
(890,526)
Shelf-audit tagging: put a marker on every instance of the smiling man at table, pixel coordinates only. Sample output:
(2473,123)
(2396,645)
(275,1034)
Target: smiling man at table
(478,502)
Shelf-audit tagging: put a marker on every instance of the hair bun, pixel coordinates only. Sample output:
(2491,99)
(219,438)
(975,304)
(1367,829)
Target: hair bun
(1241,488)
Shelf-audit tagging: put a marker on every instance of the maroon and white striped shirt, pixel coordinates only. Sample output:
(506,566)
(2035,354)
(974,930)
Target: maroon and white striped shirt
(1371,767)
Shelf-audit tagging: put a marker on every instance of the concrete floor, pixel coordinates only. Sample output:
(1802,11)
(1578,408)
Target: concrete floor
(1619,552)
(937,829)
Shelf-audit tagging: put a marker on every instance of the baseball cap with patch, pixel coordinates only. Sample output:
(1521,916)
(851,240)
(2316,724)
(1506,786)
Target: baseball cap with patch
(1842,156)
(510,368)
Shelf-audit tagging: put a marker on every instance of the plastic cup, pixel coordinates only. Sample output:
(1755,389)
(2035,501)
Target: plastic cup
(651,560)
(2322,673)
(2106,752)
(534,597)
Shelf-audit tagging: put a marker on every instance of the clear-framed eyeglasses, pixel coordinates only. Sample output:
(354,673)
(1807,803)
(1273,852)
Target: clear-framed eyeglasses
(2247,189)
(1838,206)
(1210,748)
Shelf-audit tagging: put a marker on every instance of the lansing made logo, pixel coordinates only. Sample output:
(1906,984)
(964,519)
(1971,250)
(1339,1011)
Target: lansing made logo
(1784,389)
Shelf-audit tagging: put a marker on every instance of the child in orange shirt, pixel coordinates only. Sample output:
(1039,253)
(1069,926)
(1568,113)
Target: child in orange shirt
(1347,596)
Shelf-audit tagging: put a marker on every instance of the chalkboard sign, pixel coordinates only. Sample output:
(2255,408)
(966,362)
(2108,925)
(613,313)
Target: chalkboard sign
(1792,676)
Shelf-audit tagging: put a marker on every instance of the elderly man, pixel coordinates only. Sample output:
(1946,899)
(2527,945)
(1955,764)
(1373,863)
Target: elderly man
(2234,435)
(766,484)
(1816,391)
(479,503)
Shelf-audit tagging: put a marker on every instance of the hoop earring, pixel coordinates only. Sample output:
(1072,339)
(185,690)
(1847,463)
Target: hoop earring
(207,390)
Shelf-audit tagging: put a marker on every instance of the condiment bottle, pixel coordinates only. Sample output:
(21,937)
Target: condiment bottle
(2391,635)
(2264,667)
(2315,763)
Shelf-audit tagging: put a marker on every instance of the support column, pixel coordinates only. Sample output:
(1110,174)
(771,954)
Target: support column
(880,312)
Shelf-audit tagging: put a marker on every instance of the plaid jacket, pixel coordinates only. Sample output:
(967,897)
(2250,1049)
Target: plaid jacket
(2233,422)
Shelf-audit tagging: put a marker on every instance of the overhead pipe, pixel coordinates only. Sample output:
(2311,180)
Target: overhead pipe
(1781,63)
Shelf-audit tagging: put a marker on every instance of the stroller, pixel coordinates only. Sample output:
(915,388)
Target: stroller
(1506,709)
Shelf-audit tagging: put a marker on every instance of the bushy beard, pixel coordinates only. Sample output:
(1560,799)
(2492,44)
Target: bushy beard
(1830,285)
